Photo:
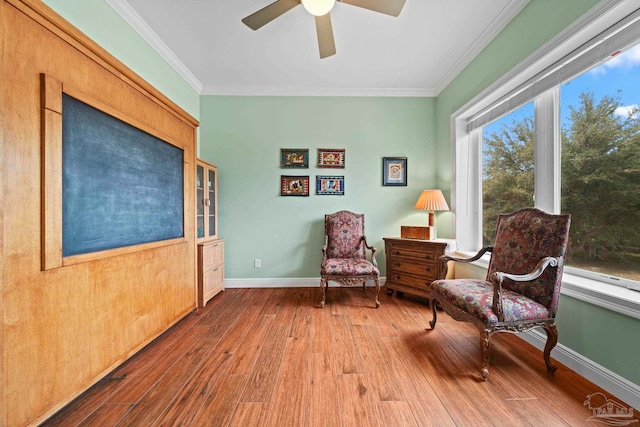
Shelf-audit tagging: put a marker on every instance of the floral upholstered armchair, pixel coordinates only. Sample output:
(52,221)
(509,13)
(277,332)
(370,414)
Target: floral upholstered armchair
(344,253)
(523,281)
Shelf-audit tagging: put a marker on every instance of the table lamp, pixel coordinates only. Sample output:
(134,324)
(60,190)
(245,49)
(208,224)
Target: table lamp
(431,200)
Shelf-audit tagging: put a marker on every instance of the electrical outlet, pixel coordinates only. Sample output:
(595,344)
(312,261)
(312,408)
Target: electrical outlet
(257,263)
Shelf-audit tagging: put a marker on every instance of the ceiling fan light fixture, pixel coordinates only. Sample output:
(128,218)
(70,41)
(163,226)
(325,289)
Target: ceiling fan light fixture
(318,7)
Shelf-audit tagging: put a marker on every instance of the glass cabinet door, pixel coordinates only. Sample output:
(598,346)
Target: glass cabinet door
(212,203)
(200,201)
(206,201)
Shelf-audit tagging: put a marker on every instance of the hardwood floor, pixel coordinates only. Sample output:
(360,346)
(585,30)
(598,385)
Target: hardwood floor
(255,357)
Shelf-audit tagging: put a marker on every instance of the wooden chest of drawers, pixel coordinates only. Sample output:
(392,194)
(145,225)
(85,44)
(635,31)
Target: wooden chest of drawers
(413,264)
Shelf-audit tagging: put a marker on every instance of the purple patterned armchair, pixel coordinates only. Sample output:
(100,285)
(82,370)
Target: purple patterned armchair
(523,281)
(344,253)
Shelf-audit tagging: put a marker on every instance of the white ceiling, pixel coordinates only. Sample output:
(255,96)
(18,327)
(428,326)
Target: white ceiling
(416,54)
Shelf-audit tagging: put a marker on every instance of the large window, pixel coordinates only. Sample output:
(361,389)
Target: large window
(571,145)
(601,166)
(507,167)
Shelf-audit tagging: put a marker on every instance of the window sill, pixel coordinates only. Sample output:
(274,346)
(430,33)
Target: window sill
(612,297)
(615,298)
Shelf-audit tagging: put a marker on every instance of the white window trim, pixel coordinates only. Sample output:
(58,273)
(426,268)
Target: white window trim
(466,149)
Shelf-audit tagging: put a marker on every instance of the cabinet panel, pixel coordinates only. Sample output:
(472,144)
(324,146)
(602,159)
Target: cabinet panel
(213,255)
(210,248)
(213,283)
(414,267)
(210,270)
(416,254)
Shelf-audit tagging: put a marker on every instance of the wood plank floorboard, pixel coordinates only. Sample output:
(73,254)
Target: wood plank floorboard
(323,392)
(272,357)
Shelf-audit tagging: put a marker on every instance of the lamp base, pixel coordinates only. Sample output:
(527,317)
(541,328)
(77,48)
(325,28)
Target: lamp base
(421,233)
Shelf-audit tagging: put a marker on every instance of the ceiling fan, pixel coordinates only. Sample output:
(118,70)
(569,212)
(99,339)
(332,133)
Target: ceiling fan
(320,9)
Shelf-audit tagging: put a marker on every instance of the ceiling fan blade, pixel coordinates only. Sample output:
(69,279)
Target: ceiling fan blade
(269,13)
(326,44)
(388,7)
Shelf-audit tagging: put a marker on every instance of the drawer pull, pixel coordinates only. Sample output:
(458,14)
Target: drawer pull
(397,277)
(428,257)
(397,252)
(398,264)
(428,269)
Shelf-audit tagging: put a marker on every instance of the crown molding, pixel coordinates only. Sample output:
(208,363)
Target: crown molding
(316,91)
(125,10)
(510,11)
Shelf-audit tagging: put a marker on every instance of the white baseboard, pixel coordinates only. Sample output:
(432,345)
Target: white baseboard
(613,383)
(305,282)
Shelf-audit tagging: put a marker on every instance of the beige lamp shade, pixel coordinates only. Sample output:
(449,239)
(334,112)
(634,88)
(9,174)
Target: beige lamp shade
(432,200)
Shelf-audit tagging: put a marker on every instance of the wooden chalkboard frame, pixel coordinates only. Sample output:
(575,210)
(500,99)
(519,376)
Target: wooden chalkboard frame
(52,172)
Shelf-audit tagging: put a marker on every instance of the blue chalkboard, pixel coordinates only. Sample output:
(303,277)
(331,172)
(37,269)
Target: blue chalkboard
(120,185)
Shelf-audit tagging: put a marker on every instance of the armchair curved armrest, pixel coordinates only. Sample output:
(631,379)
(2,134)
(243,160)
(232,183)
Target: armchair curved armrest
(498,276)
(372,249)
(481,252)
(324,251)
(446,258)
(537,272)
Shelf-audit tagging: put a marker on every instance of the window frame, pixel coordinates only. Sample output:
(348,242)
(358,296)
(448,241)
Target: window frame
(466,145)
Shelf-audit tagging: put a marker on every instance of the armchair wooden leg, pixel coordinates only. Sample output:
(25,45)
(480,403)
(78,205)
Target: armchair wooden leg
(377,293)
(434,319)
(485,337)
(552,340)
(323,285)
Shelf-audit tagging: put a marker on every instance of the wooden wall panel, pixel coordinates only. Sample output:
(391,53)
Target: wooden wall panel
(66,327)
(2,223)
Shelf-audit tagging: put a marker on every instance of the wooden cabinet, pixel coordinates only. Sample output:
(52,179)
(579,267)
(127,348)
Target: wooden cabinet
(210,248)
(210,270)
(206,200)
(413,264)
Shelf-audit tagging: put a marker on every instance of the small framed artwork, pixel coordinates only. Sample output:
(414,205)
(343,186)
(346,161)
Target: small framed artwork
(326,185)
(330,158)
(394,171)
(294,185)
(294,158)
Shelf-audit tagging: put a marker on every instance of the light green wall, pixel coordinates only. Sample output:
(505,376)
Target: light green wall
(243,137)
(608,338)
(105,26)
(605,337)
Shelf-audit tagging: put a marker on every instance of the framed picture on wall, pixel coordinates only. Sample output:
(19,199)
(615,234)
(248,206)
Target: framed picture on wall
(294,158)
(330,185)
(331,158)
(394,171)
(294,185)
